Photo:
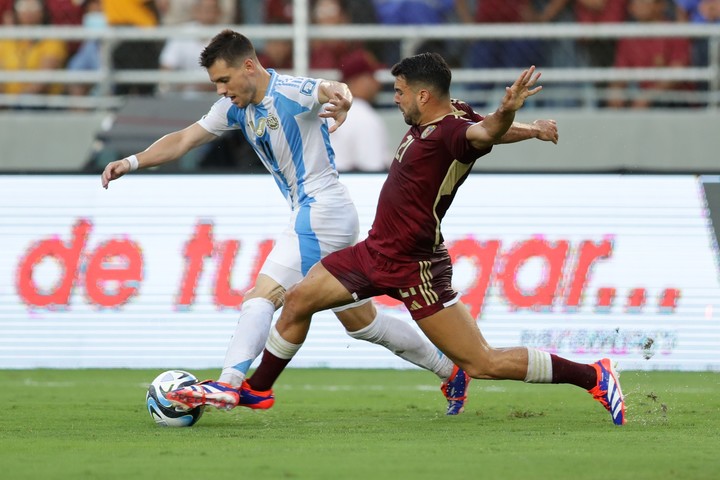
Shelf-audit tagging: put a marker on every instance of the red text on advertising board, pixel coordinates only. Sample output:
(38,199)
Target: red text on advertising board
(111,273)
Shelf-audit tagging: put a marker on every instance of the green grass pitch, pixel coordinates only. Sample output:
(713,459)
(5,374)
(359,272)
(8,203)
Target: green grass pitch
(360,424)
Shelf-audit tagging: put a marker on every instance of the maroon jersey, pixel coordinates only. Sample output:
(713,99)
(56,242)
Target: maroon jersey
(430,164)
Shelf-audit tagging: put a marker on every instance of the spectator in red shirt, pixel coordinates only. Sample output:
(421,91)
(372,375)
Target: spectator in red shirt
(277,53)
(649,52)
(596,52)
(277,11)
(601,11)
(329,53)
(61,12)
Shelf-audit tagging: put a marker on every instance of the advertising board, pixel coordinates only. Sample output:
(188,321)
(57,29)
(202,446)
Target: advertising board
(151,272)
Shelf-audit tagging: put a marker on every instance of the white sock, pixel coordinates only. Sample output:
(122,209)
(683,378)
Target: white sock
(248,340)
(405,342)
(280,347)
(539,367)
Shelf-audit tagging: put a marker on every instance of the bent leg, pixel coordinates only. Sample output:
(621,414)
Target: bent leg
(364,322)
(251,332)
(319,290)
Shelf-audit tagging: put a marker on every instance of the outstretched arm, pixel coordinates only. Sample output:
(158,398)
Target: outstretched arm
(168,148)
(545,130)
(338,98)
(491,129)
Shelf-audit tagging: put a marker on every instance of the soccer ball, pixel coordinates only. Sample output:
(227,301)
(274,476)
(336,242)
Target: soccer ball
(161,410)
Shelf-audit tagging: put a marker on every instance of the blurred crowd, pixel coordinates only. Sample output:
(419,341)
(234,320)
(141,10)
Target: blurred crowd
(182,54)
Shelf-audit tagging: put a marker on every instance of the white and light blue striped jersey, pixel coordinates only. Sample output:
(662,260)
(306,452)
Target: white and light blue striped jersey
(287,134)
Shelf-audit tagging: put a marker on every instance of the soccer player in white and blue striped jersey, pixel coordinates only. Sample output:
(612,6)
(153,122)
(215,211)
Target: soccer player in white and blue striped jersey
(285,119)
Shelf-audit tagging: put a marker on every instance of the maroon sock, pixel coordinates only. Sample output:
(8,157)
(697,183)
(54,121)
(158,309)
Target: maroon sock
(580,374)
(267,372)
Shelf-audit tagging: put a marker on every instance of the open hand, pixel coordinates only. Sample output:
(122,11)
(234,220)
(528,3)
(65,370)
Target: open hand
(516,94)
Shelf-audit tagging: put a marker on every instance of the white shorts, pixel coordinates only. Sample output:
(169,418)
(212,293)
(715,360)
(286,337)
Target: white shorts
(315,230)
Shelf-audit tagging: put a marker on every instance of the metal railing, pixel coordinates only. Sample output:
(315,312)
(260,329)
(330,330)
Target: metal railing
(579,82)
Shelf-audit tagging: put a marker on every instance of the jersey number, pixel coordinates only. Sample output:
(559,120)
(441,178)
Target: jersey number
(403,148)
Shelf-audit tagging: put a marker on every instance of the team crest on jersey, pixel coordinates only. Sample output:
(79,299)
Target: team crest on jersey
(272,122)
(428,131)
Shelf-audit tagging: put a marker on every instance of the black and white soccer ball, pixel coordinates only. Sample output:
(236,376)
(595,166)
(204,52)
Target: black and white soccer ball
(161,410)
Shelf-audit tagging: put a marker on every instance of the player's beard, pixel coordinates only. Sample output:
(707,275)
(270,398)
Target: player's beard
(411,115)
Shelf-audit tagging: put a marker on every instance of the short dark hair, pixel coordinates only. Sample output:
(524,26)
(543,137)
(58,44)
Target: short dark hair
(429,69)
(228,45)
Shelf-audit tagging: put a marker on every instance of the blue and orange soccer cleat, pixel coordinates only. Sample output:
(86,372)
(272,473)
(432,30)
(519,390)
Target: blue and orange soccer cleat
(255,399)
(607,391)
(455,390)
(218,394)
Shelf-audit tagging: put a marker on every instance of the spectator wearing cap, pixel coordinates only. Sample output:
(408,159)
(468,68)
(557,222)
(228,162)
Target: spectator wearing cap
(361,144)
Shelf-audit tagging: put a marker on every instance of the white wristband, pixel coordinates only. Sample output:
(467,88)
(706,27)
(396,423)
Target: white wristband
(133,161)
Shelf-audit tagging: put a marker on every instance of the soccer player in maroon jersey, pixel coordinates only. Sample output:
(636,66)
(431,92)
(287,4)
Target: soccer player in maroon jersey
(404,256)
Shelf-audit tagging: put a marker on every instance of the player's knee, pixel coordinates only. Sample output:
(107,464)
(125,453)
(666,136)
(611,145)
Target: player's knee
(297,302)
(269,289)
(275,297)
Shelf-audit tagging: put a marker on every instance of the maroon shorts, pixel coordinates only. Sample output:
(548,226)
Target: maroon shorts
(425,287)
